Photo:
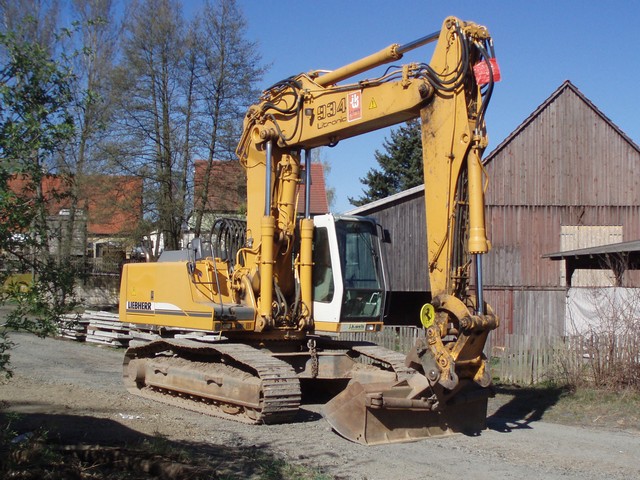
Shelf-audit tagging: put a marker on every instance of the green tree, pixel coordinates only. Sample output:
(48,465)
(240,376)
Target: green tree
(35,124)
(400,165)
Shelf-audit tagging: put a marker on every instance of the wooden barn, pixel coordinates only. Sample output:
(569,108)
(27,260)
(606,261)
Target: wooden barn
(565,179)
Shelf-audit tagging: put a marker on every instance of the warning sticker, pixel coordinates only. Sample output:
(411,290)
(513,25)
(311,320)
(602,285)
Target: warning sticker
(354,106)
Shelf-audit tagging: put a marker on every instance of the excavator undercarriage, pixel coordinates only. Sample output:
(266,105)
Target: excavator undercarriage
(239,382)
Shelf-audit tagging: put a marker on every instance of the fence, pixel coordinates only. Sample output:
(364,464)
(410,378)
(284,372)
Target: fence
(398,338)
(528,360)
(601,360)
(525,359)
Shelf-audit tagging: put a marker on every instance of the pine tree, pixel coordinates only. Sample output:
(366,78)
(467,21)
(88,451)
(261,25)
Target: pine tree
(400,165)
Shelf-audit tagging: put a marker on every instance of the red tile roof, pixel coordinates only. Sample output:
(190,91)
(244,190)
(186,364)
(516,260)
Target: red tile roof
(318,199)
(227,187)
(113,203)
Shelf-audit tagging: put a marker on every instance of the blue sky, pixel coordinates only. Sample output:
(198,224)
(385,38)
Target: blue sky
(539,45)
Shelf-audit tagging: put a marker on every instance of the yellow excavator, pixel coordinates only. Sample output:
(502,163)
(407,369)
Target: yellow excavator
(279,289)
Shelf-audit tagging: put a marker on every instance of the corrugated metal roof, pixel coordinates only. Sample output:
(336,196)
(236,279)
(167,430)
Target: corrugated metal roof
(364,209)
(622,247)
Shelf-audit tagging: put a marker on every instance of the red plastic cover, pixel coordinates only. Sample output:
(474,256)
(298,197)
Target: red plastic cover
(481,71)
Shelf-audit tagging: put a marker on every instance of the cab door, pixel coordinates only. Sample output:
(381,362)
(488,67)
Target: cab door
(349,288)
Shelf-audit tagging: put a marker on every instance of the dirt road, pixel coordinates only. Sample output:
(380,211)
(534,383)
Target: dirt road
(76,390)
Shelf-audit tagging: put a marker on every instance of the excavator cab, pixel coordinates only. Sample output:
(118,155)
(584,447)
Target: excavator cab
(349,283)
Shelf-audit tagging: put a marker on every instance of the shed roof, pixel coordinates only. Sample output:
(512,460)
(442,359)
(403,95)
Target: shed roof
(617,257)
(622,247)
(383,202)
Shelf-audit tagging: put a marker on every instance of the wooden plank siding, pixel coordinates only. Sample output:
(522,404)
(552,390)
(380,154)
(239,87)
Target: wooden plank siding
(403,217)
(567,153)
(520,235)
(527,312)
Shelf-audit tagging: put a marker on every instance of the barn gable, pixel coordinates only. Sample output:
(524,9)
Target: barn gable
(566,153)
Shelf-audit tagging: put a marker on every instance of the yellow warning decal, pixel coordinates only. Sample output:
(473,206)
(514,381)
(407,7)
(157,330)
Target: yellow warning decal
(373,104)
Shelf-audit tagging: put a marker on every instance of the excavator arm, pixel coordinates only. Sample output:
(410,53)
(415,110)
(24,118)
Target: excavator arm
(313,109)
(449,392)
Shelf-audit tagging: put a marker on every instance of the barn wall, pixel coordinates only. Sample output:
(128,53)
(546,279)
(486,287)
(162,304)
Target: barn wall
(568,155)
(406,254)
(533,312)
(520,235)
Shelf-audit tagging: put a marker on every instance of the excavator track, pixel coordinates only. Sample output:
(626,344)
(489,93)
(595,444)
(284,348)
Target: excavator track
(395,360)
(242,384)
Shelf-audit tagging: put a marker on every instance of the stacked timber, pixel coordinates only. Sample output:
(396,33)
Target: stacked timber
(200,336)
(104,328)
(74,327)
(144,333)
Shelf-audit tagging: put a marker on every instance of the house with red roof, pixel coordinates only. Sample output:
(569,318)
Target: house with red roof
(227,190)
(108,211)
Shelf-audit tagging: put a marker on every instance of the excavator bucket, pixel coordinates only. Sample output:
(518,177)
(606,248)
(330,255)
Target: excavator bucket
(375,414)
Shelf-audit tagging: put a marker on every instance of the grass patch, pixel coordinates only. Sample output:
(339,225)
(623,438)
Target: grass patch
(598,408)
(583,406)
(270,468)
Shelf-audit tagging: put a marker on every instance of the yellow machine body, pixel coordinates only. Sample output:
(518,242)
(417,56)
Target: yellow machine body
(167,294)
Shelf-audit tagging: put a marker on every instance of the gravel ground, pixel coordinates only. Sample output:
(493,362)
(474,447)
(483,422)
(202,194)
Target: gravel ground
(75,390)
